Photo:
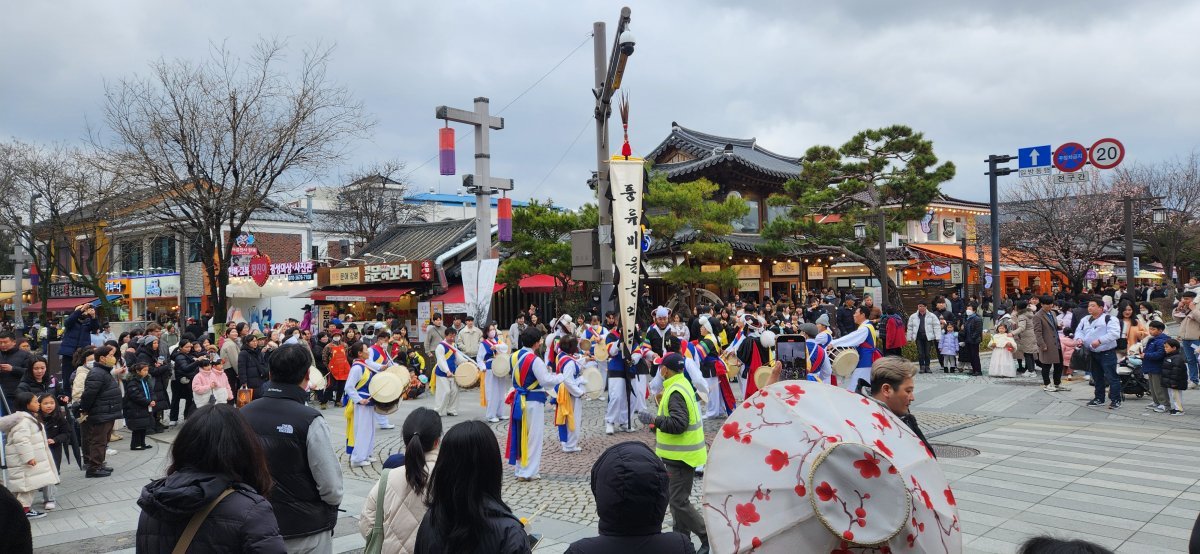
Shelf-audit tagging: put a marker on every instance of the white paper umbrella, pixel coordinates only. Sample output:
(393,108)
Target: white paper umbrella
(806,467)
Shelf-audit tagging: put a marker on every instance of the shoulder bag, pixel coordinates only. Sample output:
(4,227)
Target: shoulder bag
(375,538)
(189,532)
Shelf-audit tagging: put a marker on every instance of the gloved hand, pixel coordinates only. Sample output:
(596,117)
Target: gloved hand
(645,417)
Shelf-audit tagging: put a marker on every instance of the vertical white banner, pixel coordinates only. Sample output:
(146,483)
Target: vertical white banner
(627,181)
(486,282)
(470,280)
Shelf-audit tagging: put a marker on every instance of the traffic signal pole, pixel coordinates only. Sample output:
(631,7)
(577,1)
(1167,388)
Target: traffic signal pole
(993,173)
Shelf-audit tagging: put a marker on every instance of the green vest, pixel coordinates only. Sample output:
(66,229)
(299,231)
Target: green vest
(687,447)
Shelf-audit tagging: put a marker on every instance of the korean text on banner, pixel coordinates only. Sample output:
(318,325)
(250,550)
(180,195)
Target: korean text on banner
(628,180)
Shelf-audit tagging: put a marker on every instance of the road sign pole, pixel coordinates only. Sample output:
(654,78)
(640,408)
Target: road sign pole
(993,173)
(1128,205)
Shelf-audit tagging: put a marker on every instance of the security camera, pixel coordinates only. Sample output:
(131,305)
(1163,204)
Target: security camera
(626,41)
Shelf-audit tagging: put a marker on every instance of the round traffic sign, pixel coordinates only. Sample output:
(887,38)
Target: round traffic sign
(1107,153)
(1070,157)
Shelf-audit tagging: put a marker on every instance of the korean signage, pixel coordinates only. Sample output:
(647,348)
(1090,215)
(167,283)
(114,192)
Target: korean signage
(785,269)
(295,271)
(244,245)
(397,272)
(67,290)
(117,286)
(816,272)
(748,271)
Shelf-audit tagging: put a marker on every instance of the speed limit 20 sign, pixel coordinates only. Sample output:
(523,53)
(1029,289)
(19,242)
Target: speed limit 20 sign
(1106,153)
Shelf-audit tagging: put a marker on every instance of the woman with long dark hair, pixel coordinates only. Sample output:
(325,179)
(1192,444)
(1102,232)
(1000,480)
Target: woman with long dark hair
(466,514)
(404,493)
(218,473)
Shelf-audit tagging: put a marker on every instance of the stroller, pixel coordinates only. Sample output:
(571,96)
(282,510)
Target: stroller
(1133,381)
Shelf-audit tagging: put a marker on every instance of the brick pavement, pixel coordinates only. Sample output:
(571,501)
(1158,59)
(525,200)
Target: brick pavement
(100,515)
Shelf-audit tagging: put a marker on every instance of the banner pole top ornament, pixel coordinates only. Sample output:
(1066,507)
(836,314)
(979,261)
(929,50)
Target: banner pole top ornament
(623,107)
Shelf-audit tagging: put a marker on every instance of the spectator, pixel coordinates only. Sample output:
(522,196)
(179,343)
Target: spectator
(138,404)
(39,381)
(845,317)
(1098,334)
(194,328)
(14,362)
(972,336)
(466,514)
(101,402)
(1152,359)
(404,494)
(252,367)
(77,333)
(15,535)
(30,464)
(630,484)
(434,333)
(515,330)
(1174,375)
(218,475)
(892,385)
(469,338)
(299,452)
(1189,330)
(1050,545)
(925,330)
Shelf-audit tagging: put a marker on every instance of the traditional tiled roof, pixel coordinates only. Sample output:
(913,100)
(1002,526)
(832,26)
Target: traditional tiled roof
(710,150)
(742,244)
(420,241)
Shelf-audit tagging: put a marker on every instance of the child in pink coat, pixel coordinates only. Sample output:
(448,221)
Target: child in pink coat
(211,385)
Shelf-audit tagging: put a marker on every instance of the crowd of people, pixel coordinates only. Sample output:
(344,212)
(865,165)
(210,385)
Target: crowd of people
(277,484)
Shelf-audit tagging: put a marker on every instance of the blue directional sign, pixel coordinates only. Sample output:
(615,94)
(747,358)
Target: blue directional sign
(1034,156)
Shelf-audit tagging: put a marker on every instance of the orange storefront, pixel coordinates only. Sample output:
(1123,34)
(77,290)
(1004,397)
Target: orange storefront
(1015,271)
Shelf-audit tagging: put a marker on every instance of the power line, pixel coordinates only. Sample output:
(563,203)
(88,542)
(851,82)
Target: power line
(586,124)
(514,100)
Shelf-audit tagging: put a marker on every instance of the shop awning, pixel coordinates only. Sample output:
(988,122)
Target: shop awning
(391,294)
(66,304)
(455,295)
(539,283)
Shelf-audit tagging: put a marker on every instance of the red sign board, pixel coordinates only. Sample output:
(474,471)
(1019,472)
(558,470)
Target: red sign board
(260,269)
(426,270)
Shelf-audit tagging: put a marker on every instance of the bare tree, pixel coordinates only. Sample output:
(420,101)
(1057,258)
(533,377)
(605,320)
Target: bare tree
(1178,183)
(371,202)
(74,200)
(213,140)
(1063,228)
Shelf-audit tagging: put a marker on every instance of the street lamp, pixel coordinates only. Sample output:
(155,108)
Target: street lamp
(860,231)
(1158,215)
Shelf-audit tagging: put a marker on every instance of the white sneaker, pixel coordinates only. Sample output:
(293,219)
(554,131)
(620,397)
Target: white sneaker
(1062,388)
(1159,408)
(110,452)
(172,423)
(494,420)
(503,418)
(608,428)
(389,426)
(453,413)
(360,464)
(51,505)
(1050,388)
(372,459)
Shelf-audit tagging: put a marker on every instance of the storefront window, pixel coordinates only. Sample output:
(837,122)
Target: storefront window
(131,256)
(162,252)
(749,223)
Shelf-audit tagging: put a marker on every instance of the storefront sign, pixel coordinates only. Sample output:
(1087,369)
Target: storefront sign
(260,269)
(387,272)
(395,272)
(745,285)
(164,287)
(939,269)
(243,245)
(345,275)
(423,313)
(346,298)
(710,268)
(324,314)
(816,272)
(302,271)
(748,272)
(117,286)
(785,269)
(67,290)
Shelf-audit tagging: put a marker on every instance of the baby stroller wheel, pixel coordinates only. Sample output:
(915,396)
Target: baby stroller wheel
(1140,394)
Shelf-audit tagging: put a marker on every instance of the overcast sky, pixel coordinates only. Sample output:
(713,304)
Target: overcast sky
(976,80)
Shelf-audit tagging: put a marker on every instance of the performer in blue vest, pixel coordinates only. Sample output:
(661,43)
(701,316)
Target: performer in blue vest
(531,379)
(568,412)
(864,339)
(445,396)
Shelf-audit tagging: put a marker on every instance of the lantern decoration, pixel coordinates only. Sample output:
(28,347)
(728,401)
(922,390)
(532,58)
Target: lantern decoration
(504,219)
(626,151)
(446,149)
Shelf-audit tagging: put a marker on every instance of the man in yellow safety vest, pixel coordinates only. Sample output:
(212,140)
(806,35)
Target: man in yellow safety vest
(679,431)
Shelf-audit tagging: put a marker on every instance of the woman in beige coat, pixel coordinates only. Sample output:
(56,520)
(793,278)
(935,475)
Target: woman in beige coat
(404,495)
(1027,348)
(30,464)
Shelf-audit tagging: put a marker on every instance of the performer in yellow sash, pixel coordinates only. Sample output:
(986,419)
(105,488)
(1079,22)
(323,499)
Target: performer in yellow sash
(360,410)
(530,377)
(568,415)
(445,396)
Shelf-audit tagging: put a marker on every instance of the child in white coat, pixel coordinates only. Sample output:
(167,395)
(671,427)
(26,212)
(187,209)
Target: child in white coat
(30,464)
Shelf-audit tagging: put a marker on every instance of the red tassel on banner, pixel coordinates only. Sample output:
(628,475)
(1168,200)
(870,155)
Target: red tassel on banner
(504,219)
(446,150)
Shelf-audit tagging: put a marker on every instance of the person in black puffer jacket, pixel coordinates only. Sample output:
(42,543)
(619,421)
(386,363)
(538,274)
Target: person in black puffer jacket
(138,404)
(630,485)
(1174,375)
(101,401)
(466,514)
(185,366)
(252,365)
(215,451)
(160,370)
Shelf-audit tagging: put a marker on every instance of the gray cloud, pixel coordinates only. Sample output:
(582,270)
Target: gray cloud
(978,78)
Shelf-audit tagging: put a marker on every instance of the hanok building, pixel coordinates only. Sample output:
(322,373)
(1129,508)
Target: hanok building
(741,167)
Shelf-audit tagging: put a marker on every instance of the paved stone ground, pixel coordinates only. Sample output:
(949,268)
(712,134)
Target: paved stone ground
(1126,474)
